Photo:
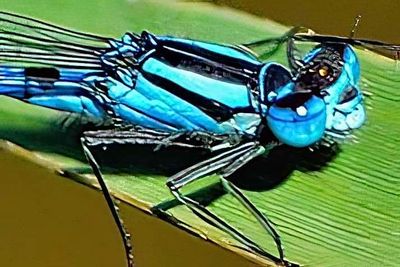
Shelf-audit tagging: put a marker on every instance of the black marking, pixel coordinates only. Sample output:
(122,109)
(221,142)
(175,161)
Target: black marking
(209,67)
(42,73)
(294,100)
(101,86)
(205,53)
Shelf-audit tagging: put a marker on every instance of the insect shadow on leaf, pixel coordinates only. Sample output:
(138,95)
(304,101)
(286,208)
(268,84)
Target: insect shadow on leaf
(280,162)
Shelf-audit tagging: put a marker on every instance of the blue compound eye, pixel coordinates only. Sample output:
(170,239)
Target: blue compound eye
(299,126)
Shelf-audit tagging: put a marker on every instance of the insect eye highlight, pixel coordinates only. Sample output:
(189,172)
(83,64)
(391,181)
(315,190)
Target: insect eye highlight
(323,72)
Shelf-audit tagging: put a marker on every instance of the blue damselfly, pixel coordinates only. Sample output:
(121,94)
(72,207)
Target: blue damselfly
(168,91)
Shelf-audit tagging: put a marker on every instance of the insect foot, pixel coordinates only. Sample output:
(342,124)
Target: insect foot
(286,263)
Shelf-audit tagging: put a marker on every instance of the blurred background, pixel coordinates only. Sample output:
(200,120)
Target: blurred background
(380,19)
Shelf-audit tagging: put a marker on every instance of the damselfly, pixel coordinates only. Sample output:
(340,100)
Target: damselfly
(167,91)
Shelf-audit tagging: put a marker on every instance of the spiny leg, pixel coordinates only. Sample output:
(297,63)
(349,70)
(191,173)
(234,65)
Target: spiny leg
(145,136)
(126,238)
(261,218)
(226,163)
(198,171)
(235,191)
(132,135)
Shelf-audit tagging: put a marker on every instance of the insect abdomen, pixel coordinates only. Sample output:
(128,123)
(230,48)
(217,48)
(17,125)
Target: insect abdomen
(57,88)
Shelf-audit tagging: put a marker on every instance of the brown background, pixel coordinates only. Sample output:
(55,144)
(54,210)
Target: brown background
(50,221)
(380,19)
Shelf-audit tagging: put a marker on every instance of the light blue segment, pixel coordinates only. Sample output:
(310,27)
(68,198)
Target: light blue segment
(356,118)
(349,105)
(74,74)
(117,90)
(230,94)
(351,66)
(349,115)
(224,50)
(12,81)
(153,108)
(284,91)
(169,111)
(179,106)
(125,76)
(68,103)
(65,95)
(137,118)
(336,90)
(339,122)
(13,88)
(11,71)
(354,110)
(245,123)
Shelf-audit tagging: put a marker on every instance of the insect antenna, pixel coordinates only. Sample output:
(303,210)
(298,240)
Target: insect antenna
(355,26)
(396,58)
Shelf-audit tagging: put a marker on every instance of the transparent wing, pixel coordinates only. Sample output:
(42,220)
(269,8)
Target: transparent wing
(387,49)
(25,41)
(265,48)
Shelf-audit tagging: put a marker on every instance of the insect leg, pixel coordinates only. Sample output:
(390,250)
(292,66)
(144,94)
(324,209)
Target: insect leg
(235,191)
(142,136)
(209,166)
(132,135)
(226,163)
(135,136)
(295,63)
(126,238)
(261,218)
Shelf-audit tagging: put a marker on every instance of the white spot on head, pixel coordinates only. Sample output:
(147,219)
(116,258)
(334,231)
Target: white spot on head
(271,96)
(301,111)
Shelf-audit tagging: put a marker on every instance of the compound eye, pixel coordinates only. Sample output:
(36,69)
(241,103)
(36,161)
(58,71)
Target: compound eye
(324,71)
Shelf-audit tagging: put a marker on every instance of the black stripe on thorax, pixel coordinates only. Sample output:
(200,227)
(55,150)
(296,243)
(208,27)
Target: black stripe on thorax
(216,69)
(202,52)
(218,111)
